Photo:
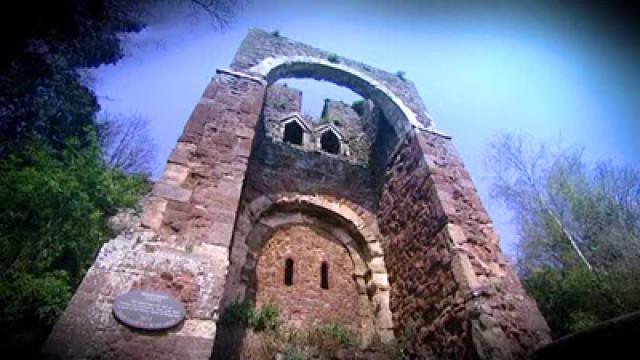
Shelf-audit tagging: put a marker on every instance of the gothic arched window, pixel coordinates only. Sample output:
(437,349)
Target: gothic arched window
(330,143)
(293,133)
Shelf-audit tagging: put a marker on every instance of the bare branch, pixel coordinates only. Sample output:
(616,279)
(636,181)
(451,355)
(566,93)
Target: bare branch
(126,143)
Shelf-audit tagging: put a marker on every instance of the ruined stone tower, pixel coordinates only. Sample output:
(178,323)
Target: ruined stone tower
(366,217)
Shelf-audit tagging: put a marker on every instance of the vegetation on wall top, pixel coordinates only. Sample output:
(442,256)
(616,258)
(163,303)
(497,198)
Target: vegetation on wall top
(333,58)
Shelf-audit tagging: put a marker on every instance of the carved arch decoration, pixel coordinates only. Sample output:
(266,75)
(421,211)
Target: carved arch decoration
(358,233)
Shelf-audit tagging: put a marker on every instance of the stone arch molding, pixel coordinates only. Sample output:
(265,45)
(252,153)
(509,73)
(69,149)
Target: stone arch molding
(358,233)
(402,118)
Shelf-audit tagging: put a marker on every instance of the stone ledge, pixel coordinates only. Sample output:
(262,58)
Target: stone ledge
(259,80)
(431,130)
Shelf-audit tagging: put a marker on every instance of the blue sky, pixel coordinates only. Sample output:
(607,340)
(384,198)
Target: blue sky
(554,73)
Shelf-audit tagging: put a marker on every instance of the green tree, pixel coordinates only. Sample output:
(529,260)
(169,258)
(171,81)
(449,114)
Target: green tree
(53,207)
(62,171)
(578,225)
(46,44)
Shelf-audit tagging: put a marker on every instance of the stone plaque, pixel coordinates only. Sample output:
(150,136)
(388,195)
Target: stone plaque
(148,310)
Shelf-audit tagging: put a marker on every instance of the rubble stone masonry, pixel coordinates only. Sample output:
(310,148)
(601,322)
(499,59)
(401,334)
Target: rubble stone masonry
(452,289)
(411,252)
(304,302)
(182,242)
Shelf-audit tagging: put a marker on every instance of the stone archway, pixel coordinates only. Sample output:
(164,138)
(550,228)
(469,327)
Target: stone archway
(450,280)
(401,117)
(357,233)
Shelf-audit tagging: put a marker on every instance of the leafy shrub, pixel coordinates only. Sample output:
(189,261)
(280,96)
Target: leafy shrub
(575,299)
(276,33)
(333,58)
(358,106)
(237,314)
(398,347)
(39,298)
(53,219)
(244,314)
(401,74)
(265,318)
(332,337)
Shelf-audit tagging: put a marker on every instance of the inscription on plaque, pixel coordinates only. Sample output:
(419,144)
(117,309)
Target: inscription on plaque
(148,310)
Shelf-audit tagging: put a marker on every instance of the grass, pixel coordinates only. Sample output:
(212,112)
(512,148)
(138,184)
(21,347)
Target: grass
(334,335)
(265,318)
(266,336)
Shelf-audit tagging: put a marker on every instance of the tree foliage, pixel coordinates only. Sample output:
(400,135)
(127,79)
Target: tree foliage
(42,97)
(579,229)
(63,171)
(44,45)
(53,206)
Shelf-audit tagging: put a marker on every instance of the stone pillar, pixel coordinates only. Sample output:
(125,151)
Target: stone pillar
(452,290)
(182,242)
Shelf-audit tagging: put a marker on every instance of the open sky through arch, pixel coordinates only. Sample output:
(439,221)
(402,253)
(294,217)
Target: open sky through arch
(549,70)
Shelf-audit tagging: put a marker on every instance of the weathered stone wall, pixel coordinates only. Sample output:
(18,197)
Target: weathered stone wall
(136,259)
(278,169)
(274,58)
(451,287)
(359,131)
(182,245)
(356,133)
(355,229)
(224,194)
(385,143)
(259,46)
(281,101)
(305,303)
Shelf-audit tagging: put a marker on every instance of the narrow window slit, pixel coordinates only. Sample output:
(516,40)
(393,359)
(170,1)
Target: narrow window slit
(324,275)
(288,272)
